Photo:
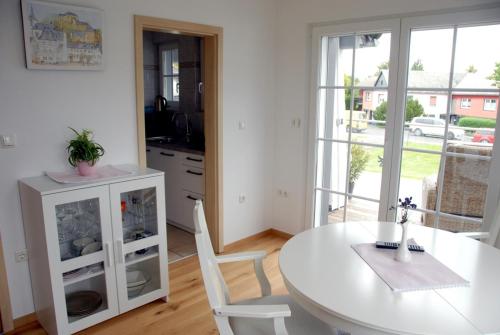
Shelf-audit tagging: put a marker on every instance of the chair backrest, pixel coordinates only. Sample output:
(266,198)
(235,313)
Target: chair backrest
(218,294)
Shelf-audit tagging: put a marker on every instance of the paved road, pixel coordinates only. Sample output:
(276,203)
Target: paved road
(376,135)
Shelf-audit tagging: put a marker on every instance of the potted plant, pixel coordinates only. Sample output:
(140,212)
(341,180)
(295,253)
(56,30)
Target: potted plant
(84,152)
(359,159)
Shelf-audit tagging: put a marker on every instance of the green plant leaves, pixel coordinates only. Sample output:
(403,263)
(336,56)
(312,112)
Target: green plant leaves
(83,149)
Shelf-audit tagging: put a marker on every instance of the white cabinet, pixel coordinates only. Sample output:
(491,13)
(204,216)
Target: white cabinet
(184,182)
(96,249)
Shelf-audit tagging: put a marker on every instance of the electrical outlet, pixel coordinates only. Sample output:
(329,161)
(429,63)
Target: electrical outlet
(21,256)
(282,193)
(8,140)
(242,198)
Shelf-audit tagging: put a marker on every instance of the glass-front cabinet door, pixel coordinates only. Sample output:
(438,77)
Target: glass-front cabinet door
(139,227)
(80,242)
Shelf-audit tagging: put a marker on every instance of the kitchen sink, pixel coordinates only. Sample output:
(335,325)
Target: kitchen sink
(162,139)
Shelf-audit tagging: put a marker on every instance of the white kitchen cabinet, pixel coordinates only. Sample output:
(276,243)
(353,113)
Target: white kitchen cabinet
(184,183)
(104,242)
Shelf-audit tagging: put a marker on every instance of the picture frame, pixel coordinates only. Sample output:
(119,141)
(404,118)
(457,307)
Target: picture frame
(62,37)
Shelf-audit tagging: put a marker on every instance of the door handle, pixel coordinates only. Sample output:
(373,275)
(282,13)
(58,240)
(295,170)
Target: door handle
(108,254)
(148,150)
(191,198)
(167,154)
(195,173)
(194,159)
(119,251)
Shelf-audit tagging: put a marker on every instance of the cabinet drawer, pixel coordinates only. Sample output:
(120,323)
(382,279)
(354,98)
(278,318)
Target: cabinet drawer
(193,179)
(188,202)
(193,160)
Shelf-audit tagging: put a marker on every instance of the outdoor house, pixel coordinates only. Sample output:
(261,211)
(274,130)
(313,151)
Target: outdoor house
(482,105)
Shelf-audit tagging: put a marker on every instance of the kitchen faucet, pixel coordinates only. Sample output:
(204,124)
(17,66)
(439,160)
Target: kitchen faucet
(186,117)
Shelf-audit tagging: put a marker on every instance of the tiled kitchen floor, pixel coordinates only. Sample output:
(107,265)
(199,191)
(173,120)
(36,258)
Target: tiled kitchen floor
(181,244)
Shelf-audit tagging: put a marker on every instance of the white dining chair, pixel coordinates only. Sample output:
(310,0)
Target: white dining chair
(491,236)
(266,315)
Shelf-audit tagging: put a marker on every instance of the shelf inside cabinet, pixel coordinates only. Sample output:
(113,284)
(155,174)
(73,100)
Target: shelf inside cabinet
(82,277)
(135,258)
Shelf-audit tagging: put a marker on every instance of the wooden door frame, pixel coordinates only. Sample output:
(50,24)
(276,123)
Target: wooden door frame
(7,322)
(212,74)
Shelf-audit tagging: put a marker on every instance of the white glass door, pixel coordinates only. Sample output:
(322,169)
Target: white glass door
(354,103)
(81,256)
(139,227)
(406,107)
(450,101)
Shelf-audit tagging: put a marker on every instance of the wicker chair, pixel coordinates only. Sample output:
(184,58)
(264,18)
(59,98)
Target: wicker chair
(464,188)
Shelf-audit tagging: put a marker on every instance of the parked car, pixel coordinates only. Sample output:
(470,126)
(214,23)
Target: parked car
(484,136)
(359,122)
(429,126)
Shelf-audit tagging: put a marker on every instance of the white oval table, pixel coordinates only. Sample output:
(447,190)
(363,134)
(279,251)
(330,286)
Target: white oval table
(329,279)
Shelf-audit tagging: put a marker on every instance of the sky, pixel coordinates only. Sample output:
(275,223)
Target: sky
(478,46)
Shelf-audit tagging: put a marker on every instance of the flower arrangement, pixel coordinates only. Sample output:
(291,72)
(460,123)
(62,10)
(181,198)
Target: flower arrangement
(405,205)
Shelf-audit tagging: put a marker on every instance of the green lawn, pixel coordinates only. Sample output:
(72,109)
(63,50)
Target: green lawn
(415,165)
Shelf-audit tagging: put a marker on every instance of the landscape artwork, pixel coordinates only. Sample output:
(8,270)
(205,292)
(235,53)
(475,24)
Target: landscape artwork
(62,37)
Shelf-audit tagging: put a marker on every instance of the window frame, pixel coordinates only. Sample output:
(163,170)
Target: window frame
(468,103)
(492,101)
(162,48)
(392,157)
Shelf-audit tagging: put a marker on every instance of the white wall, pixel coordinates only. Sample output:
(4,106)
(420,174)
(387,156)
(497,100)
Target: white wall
(39,105)
(292,82)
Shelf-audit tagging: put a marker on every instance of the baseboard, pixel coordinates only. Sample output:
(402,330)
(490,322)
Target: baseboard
(236,244)
(22,322)
(272,231)
(281,233)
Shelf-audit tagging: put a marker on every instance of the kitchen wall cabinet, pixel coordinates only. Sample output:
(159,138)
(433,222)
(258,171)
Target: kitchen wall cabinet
(184,182)
(95,250)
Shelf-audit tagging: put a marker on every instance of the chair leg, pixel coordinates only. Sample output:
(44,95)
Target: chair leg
(265,286)
(223,325)
(279,326)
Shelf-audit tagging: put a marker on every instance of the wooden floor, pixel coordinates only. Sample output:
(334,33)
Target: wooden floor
(187,311)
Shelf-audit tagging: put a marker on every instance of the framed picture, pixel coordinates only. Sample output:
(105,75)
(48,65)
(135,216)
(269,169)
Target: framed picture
(62,37)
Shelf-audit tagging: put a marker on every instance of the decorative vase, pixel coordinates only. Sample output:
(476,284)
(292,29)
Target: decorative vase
(86,168)
(403,254)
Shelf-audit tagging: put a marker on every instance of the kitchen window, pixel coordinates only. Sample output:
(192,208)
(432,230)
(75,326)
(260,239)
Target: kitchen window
(169,76)
(490,105)
(465,103)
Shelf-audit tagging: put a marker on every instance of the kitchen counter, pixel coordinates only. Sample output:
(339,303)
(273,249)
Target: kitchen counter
(178,146)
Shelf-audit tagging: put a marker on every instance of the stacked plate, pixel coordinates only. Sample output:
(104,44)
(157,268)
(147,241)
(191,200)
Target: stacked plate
(136,281)
(82,303)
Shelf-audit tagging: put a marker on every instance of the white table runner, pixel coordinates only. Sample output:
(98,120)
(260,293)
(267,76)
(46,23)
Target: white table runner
(424,272)
(101,173)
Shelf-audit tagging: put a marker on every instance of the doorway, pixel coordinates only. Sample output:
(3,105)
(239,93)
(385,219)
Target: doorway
(210,163)
(394,118)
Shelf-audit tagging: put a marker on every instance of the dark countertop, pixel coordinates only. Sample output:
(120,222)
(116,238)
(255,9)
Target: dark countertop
(183,147)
